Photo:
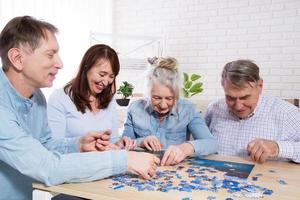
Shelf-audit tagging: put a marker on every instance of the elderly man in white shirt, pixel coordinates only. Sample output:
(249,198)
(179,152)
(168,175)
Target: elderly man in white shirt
(246,122)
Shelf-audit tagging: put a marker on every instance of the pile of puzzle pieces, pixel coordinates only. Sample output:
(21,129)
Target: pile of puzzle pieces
(195,178)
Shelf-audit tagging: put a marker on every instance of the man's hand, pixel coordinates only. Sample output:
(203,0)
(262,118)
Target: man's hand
(126,143)
(151,143)
(177,153)
(142,164)
(94,141)
(261,149)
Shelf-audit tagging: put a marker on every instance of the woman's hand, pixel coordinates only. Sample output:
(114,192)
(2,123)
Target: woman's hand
(94,141)
(151,143)
(126,143)
(111,146)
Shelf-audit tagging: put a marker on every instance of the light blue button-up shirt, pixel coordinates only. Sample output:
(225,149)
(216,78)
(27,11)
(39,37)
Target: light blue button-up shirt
(181,121)
(27,151)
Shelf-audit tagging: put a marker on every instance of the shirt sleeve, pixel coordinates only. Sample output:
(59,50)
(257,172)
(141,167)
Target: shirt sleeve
(29,156)
(207,116)
(115,121)
(289,143)
(56,115)
(128,125)
(204,143)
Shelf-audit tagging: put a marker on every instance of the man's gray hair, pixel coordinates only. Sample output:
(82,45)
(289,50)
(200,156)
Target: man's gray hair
(240,72)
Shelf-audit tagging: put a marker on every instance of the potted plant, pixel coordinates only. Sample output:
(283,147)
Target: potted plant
(125,90)
(191,85)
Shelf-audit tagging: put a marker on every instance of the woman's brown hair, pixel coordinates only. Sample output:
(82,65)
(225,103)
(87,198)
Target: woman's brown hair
(78,88)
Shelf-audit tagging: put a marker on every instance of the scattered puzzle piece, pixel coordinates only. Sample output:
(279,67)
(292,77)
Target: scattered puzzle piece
(282,182)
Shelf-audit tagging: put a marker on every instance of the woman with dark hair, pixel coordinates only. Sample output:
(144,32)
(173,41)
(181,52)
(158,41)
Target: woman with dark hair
(86,103)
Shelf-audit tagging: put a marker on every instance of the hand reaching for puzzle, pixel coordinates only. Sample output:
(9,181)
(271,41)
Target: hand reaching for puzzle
(177,153)
(126,143)
(142,164)
(151,143)
(261,149)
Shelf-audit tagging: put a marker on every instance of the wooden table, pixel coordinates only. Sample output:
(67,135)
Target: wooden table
(287,171)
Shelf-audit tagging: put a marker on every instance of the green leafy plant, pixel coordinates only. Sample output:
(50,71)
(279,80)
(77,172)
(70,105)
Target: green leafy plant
(191,85)
(125,89)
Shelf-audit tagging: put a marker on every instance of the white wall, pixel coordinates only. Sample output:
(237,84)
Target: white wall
(74,18)
(205,34)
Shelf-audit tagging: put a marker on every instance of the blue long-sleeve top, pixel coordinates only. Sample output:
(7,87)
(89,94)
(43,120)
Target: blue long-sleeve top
(182,120)
(28,152)
(66,121)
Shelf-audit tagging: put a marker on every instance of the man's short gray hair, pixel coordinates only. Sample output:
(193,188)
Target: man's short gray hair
(240,72)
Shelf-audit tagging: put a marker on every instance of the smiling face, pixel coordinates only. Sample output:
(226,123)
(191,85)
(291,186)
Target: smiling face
(40,66)
(242,101)
(162,99)
(100,76)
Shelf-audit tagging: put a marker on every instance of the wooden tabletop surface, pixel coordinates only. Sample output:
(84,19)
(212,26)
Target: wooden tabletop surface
(272,172)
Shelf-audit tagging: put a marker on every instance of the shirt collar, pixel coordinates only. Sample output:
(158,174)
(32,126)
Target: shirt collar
(257,107)
(149,108)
